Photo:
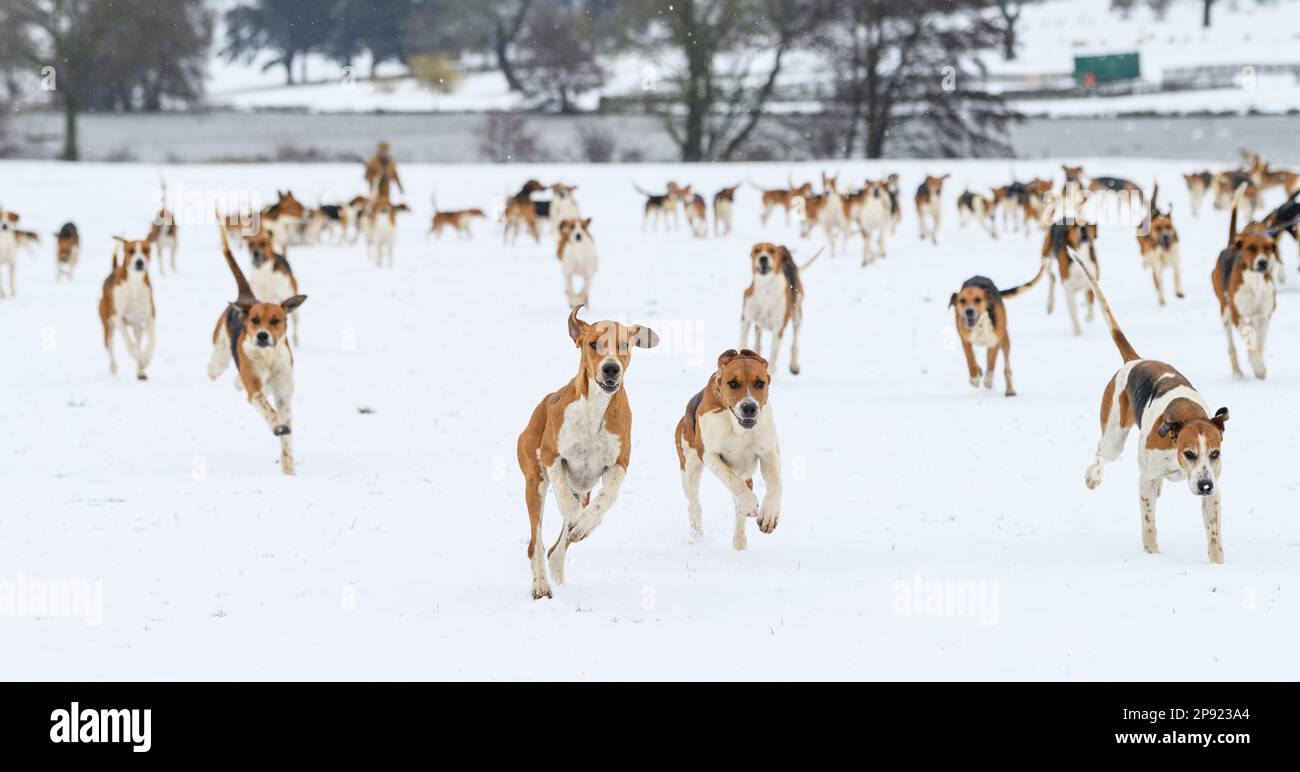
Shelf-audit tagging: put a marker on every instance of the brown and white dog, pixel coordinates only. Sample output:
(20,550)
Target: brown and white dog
(728,429)
(1225,187)
(520,213)
(773,300)
(126,304)
(790,199)
(272,278)
(977,207)
(1178,439)
(1063,239)
(1243,285)
(11,238)
(67,249)
(563,205)
(697,214)
(162,232)
(724,203)
(981,319)
(284,219)
(1198,184)
(458,220)
(578,436)
(662,208)
(929,206)
(255,334)
(871,210)
(1266,178)
(577,255)
(1158,242)
(380,226)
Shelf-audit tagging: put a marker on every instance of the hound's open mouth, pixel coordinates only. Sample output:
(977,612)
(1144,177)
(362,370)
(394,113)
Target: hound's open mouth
(609,386)
(764,270)
(747,423)
(969,322)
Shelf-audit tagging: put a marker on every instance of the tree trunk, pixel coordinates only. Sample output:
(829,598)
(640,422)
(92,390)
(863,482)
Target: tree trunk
(1205,14)
(287,61)
(502,47)
(70,128)
(1009,42)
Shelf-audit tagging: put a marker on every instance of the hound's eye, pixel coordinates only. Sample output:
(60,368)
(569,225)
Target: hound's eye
(274,322)
(759,384)
(593,345)
(1190,455)
(257,320)
(733,383)
(1214,455)
(978,301)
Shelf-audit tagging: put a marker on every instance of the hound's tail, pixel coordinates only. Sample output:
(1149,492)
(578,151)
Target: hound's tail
(1232,221)
(754,185)
(246,296)
(811,260)
(1011,293)
(117,250)
(1121,341)
(643,191)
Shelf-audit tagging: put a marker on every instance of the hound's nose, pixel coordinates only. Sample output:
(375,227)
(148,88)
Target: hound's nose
(577,237)
(139,265)
(610,370)
(748,409)
(1261,266)
(1204,487)
(263,337)
(875,194)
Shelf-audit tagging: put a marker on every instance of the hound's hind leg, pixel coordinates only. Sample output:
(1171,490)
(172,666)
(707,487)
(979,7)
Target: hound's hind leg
(217,363)
(692,472)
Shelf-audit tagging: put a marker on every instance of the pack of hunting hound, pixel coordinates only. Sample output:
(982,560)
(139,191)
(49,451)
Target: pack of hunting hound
(578,437)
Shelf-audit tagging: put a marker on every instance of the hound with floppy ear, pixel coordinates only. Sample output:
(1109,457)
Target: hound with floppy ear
(381,230)
(1158,242)
(929,206)
(126,305)
(11,238)
(163,233)
(577,436)
(1198,184)
(977,207)
(774,299)
(1178,437)
(1063,240)
(272,279)
(1244,287)
(254,334)
(67,250)
(981,319)
(728,429)
(577,256)
(724,203)
(563,205)
(870,210)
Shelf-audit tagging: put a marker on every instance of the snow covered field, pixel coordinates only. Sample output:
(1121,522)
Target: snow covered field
(399,549)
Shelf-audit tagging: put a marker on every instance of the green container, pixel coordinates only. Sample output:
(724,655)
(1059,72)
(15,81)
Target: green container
(1089,70)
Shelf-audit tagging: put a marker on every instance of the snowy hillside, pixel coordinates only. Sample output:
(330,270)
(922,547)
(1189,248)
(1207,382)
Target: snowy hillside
(1050,33)
(399,549)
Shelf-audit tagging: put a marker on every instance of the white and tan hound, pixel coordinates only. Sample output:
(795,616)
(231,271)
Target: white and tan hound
(1244,287)
(255,334)
(724,204)
(67,250)
(979,208)
(981,319)
(1178,439)
(773,300)
(929,206)
(578,436)
(272,277)
(577,255)
(458,220)
(870,210)
(11,239)
(728,429)
(1063,239)
(1198,184)
(162,232)
(380,227)
(126,304)
(790,199)
(1158,242)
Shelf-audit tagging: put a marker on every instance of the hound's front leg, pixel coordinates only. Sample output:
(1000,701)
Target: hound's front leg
(1149,493)
(770,512)
(592,515)
(971,366)
(570,511)
(1210,509)
(146,356)
(263,405)
(1071,305)
(745,500)
(744,332)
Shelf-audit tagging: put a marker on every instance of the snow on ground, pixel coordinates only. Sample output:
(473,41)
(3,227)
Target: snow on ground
(399,549)
(1050,35)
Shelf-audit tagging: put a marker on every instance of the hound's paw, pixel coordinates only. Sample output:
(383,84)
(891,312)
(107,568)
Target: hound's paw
(988,380)
(1179,295)
(747,504)
(582,529)
(1011,392)
(282,430)
(739,543)
(1092,478)
(794,369)
(767,519)
(141,377)
(1216,554)
(541,589)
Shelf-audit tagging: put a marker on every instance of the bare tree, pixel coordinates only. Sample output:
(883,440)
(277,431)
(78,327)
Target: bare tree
(906,74)
(557,58)
(733,52)
(1010,10)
